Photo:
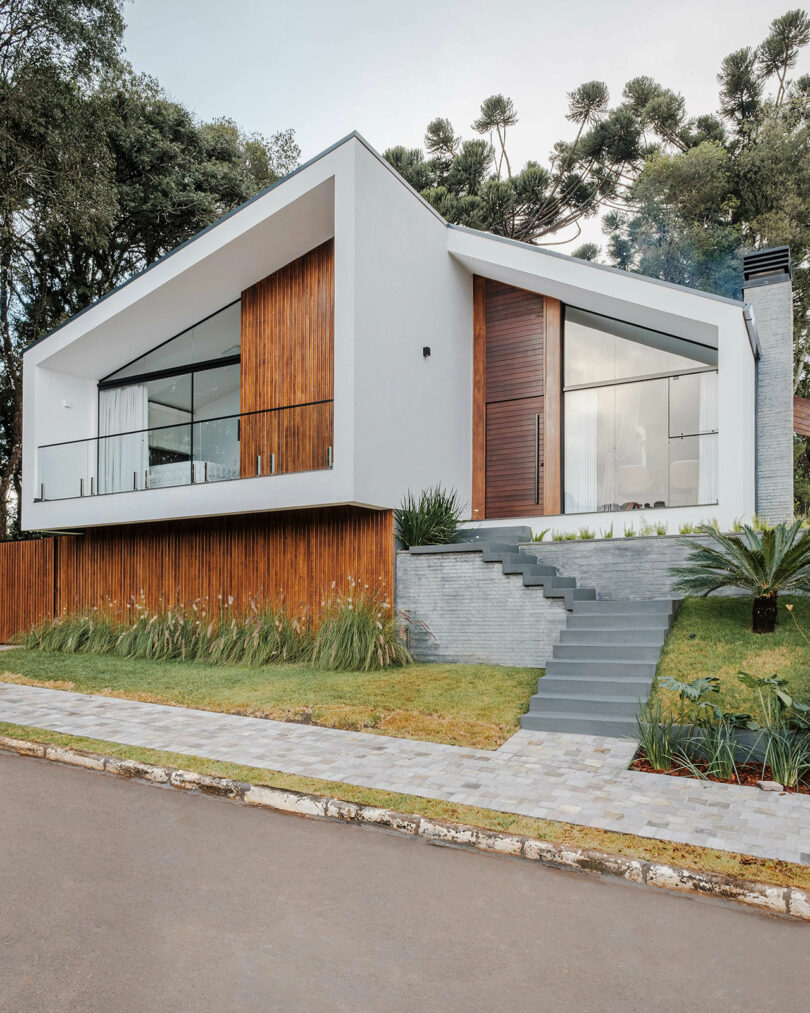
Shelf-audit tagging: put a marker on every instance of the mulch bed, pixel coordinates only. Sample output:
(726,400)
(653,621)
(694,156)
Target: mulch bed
(749,774)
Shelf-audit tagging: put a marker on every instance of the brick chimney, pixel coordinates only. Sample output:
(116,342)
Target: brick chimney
(768,291)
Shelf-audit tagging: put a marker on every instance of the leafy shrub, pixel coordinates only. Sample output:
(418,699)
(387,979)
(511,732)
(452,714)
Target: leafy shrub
(358,631)
(432,519)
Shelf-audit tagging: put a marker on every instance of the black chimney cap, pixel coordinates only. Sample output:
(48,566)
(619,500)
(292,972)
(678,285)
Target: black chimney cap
(775,260)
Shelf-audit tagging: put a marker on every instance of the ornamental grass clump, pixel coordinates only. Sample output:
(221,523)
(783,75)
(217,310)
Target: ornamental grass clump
(267,635)
(762,562)
(432,519)
(91,632)
(359,631)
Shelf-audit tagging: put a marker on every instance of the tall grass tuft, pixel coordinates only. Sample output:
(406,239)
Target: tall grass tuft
(359,631)
(658,735)
(430,519)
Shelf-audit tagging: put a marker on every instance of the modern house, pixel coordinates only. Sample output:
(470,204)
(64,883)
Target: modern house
(242,417)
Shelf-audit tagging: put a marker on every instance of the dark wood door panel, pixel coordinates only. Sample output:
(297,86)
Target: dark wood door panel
(514,465)
(514,343)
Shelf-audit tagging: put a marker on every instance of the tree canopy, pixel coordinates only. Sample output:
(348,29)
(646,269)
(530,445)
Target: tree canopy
(714,186)
(100,174)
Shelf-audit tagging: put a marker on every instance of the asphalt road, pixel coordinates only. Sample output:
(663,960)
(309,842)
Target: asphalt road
(117,896)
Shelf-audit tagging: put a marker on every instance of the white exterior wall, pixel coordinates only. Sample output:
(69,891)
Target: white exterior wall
(413,415)
(403,280)
(715,322)
(210,272)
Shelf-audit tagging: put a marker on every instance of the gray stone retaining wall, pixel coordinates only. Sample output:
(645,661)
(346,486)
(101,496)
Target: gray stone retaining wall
(634,568)
(475,612)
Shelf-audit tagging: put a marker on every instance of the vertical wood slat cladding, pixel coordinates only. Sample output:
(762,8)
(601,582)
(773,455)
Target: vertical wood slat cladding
(294,555)
(552,409)
(514,388)
(801,416)
(26,584)
(287,348)
(479,408)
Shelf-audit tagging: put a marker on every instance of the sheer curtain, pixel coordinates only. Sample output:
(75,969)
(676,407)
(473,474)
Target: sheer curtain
(707,444)
(123,410)
(581,419)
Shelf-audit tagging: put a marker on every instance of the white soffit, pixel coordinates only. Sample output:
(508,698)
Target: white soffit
(674,310)
(193,283)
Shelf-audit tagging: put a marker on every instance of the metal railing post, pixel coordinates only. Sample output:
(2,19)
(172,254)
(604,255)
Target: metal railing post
(272,464)
(42,492)
(205,472)
(146,478)
(258,464)
(81,487)
(92,485)
(329,461)
(134,481)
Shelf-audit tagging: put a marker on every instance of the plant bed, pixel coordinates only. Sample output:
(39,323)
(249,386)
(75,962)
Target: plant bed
(747,774)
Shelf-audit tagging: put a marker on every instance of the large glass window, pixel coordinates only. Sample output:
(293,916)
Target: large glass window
(649,440)
(167,418)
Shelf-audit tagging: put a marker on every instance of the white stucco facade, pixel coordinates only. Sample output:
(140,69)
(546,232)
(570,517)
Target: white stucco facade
(403,282)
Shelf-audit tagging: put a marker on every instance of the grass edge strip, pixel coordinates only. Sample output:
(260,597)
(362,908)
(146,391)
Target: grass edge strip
(787,901)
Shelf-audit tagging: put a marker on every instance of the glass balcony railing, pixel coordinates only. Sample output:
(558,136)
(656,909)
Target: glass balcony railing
(253,444)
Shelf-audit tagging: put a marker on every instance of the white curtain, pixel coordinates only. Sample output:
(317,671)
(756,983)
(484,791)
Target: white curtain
(123,459)
(581,419)
(707,444)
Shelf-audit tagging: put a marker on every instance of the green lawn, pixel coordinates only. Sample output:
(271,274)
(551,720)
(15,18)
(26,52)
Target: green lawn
(712,636)
(464,705)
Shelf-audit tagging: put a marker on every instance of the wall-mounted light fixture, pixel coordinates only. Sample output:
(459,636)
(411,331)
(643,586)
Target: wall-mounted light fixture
(426,351)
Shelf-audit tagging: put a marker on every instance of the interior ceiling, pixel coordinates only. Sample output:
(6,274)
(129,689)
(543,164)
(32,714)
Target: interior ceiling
(206,286)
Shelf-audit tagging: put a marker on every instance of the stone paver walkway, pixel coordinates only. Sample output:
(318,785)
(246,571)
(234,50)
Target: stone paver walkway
(575,778)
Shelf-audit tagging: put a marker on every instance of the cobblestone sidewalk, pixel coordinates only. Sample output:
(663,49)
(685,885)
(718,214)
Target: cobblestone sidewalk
(575,778)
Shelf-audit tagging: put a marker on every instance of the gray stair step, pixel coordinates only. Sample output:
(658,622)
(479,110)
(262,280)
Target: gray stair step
(625,607)
(583,685)
(607,652)
(509,533)
(626,706)
(611,668)
(584,593)
(637,638)
(637,621)
(615,726)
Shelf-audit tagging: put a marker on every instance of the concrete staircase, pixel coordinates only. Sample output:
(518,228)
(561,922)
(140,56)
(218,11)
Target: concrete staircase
(602,669)
(604,662)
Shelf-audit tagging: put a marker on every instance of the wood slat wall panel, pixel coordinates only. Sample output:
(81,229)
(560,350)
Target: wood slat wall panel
(479,405)
(299,556)
(801,416)
(26,584)
(288,359)
(552,409)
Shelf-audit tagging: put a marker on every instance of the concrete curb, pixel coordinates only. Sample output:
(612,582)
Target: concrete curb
(789,902)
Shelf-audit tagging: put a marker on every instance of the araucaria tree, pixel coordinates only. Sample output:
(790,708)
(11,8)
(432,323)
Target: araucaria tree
(471,182)
(100,174)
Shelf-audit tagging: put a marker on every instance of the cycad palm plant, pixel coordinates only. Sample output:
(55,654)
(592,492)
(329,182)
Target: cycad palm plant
(761,562)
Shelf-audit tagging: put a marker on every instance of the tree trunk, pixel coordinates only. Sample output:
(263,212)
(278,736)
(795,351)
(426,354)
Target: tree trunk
(765,607)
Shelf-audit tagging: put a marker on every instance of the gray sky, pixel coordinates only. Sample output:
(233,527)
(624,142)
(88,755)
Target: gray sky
(326,67)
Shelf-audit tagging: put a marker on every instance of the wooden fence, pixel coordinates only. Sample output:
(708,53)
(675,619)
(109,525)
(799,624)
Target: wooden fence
(302,557)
